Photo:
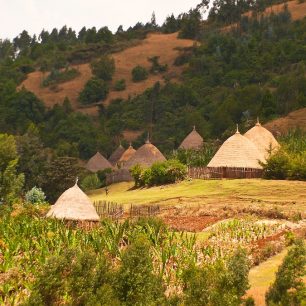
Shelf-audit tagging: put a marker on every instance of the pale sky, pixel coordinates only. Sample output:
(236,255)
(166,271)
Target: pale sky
(34,15)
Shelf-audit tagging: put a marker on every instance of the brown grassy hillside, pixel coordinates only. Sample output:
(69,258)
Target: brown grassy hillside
(161,45)
(296,119)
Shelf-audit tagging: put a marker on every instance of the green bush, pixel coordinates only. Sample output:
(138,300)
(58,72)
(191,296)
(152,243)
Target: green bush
(160,173)
(289,288)
(35,196)
(95,90)
(57,76)
(120,85)
(102,175)
(156,66)
(139,74)
(104,68)
(91,182)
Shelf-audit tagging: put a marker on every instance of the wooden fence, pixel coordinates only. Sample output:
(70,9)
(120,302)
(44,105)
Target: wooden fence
(144,210)
(109,209)
(223,172)
(120,175)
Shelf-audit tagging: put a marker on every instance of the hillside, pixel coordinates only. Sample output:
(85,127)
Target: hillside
(164,45)
(296,119)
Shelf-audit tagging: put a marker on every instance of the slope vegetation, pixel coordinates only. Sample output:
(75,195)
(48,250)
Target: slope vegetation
(166,46)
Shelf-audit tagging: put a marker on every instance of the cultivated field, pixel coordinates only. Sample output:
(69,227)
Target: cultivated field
(163,45)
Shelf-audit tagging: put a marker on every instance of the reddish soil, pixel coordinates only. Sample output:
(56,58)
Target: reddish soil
(189,223)
(163,45)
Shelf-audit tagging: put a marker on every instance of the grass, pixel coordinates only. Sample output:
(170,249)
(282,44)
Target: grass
(262,276)
(287,196)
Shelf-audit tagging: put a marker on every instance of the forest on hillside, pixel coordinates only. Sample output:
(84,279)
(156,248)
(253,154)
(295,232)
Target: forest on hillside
(257,68)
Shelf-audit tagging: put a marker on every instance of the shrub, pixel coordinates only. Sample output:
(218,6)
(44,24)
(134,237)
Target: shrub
(289,288)
(156,66)
(160,173)
(139,74)
(35,196)
(120,85)
(102,175)
(94,91)
(57,76)
(104,68)
(91,182)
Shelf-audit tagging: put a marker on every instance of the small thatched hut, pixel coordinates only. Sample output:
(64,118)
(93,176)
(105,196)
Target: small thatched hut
(114,158)
(193,141)
(145,156)
(129,152)
(237,152)
(98,162)
(263,139)
(73,204)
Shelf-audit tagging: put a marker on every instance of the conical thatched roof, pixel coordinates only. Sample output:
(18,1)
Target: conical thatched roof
(129,152)
(73,204)
(262,138)
(146,156)
(114,158)
(193,141)
(239,152)
(98,162)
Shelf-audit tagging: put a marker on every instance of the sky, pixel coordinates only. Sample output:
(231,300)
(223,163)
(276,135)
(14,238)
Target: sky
(35,15)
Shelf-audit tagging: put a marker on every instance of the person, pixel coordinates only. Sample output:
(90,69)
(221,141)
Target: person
(106,190)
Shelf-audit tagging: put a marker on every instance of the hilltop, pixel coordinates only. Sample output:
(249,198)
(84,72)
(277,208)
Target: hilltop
(166,46)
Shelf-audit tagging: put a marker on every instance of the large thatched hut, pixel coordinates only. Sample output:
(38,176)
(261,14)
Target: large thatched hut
(193,141)
(145,156)
(98,162)
(115,157)
(263,139)
(129,152)
(237,154)
(73,204)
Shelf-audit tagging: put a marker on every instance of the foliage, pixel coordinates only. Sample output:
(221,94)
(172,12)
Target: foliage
(289,288)
(104,68)
(156,66)
(217,284)
(35,196)
(139,74)
(102,175)
(11,182)
(120,85)
(60,175)
(160,173)
(95,90)
(57,76)
(290,161)
(91,182)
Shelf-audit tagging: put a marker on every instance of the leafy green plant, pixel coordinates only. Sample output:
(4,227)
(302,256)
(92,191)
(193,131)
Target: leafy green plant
(35,196)
(91,182)
(104,68)
(120,85)
(139,74)
(95,90)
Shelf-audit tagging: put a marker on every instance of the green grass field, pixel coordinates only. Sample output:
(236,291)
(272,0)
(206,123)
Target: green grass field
(285,195)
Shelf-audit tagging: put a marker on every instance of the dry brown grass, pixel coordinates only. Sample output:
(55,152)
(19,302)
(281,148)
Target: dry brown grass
(296,119)
(163,45)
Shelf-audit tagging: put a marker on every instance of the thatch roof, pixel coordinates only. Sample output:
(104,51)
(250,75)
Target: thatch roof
(239,152)
(114,158)
(263,139)
(129,152)
(73,204)
(98,162)
(193,141)
(146,156)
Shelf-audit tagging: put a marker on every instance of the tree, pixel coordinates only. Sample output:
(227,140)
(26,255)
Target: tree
(139,74)
(61,174)
(95,90)
(289,288)
(104,68)
(11,182)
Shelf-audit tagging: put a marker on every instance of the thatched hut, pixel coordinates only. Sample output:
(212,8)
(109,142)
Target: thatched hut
(98,162)
(73,205)
(114,158)
(237,154)
(193,141)
(145,156)
(129,152)
(263,139)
